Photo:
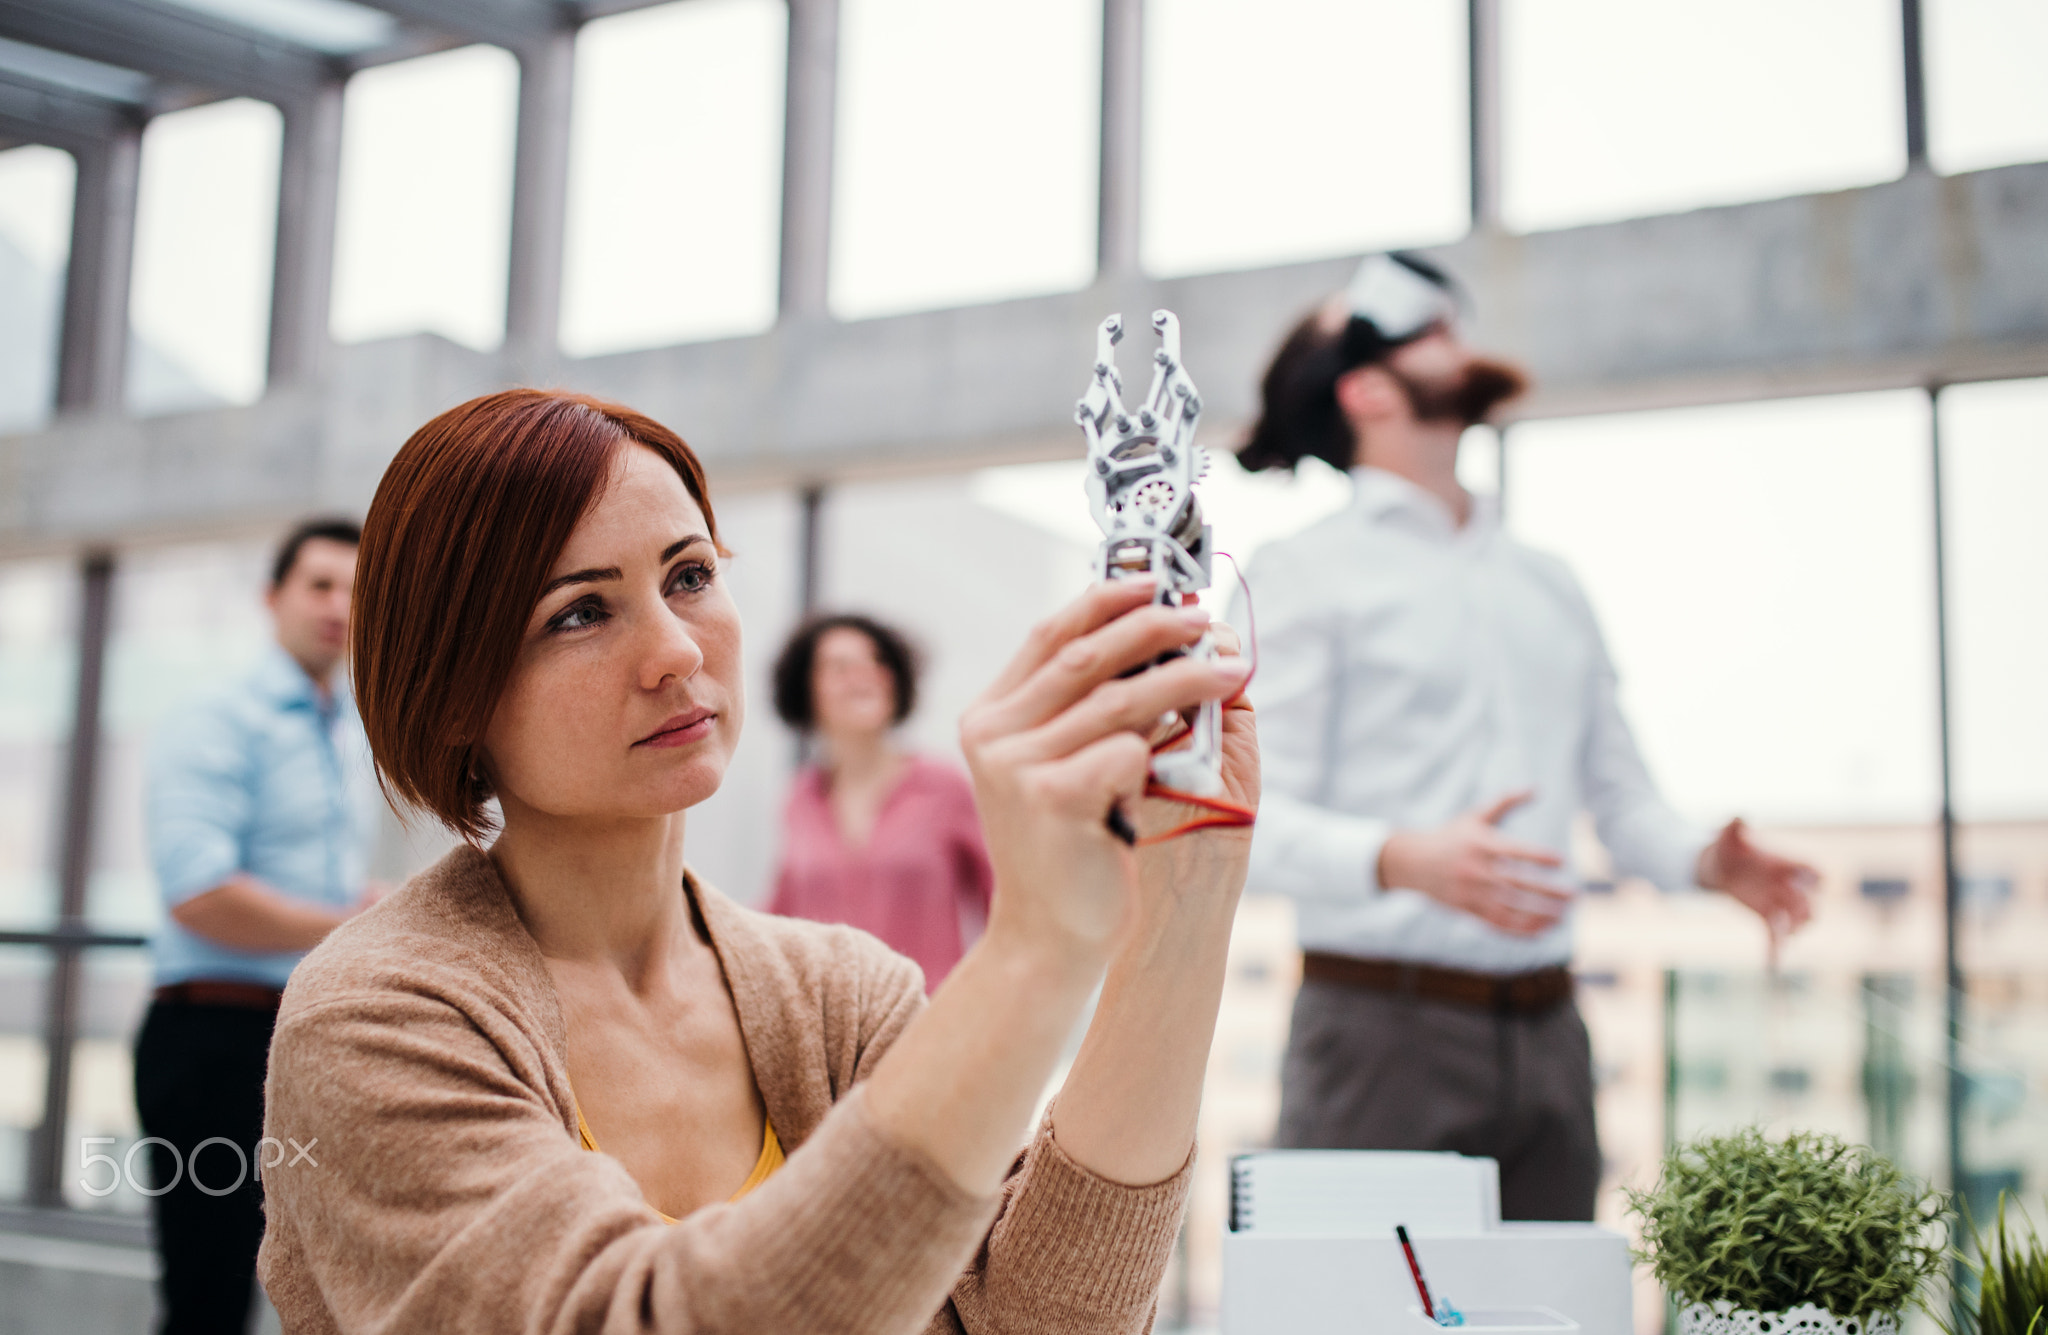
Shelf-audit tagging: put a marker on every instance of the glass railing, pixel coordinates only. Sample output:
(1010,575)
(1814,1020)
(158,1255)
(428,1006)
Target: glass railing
(1867,1057)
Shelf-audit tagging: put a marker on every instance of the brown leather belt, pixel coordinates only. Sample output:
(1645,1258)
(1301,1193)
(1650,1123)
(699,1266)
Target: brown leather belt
(1520,993)
(210,992)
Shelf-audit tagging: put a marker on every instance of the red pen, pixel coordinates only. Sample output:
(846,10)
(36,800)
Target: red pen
(1415,1269)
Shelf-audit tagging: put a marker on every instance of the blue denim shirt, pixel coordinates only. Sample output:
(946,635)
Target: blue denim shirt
(261,777)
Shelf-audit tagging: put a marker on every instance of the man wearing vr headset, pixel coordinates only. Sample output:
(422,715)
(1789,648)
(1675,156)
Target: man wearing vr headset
(1436,705)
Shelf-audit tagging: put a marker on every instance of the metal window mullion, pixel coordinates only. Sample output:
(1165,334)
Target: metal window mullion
(809,556)
(810,542)
(61,1012)
(1913,71)
(74,938)
(1952,972)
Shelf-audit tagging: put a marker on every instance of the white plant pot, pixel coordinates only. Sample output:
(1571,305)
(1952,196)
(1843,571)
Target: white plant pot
(1724,1318)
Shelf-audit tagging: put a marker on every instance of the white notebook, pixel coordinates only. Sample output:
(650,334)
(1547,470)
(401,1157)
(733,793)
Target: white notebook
(1363,1193)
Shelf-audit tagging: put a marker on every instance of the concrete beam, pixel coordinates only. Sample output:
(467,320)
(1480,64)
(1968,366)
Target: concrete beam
(73,74)
(1917,281)
(506,23)
(586,10)
(168,42)
(36,113)
(1924,280)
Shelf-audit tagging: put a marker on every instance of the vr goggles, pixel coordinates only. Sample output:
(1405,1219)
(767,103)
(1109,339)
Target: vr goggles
(1393,298)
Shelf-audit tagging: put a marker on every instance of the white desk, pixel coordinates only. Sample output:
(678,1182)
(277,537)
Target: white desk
(1276,1285)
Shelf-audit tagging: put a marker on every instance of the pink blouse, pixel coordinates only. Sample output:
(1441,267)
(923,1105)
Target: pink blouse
(922,867)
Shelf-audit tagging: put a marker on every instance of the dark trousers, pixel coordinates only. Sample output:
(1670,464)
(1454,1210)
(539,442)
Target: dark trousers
(199,1075)
(1368,1070)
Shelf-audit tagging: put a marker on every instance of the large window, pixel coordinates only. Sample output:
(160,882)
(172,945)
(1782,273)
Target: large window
(205,233)
(426,198)
(1764,576)
(35,243)
(966,152)
(1280,130)
(1621,108)
(674,175)
(963,579)
(1995,448)
(1995,456)
(1987,101)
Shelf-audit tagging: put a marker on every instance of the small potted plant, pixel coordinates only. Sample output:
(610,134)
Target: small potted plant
(2011,1269)
(1800,1236)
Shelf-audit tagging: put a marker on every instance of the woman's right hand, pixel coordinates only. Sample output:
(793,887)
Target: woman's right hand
(1054,744)
(1059,739)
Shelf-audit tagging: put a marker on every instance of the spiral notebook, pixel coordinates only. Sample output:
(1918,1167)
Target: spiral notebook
(1363,1193)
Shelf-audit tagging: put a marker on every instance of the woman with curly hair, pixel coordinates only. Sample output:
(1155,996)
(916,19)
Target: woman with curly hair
(873,834)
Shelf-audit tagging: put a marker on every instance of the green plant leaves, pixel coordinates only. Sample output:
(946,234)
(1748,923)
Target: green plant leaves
(2012,1279)
(1769,1224)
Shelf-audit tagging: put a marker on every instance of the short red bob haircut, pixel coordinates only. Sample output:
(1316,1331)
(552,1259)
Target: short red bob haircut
(467,522)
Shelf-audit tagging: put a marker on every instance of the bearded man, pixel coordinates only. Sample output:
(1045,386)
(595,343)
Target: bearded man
(1436,706)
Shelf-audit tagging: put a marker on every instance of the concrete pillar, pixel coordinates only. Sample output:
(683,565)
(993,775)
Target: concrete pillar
(1123,70)
(1483,30)
(540,196)
(92,353)
(810,100)
(309,188)
(74,868)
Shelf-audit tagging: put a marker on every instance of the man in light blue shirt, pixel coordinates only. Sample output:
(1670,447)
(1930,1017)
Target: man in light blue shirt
(262,808)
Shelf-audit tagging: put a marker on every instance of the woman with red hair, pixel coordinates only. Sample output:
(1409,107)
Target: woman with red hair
(793,1138)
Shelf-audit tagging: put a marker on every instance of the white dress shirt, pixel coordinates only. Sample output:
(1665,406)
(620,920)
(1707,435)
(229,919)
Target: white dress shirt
(1410,670)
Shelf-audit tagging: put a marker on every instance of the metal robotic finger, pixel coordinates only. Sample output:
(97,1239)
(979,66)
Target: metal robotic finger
(1142,471)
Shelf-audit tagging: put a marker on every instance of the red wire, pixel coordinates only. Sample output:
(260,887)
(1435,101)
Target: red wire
(1227,814)
(1234,815)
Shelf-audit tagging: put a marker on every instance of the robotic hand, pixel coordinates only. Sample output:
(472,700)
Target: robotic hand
(1142,472)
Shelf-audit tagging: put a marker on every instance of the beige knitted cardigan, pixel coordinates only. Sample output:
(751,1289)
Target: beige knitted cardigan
(419,1063)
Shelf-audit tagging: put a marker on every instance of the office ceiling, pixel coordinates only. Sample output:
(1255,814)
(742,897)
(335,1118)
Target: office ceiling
(75,71)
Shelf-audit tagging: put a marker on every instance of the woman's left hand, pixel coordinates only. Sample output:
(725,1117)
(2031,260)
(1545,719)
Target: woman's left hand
(1128,1109)
(1204,868)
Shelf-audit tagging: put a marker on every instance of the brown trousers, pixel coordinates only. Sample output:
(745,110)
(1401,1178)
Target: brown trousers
(1369,1070)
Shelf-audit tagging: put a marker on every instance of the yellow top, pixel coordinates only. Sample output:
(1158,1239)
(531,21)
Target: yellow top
(770,1160)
